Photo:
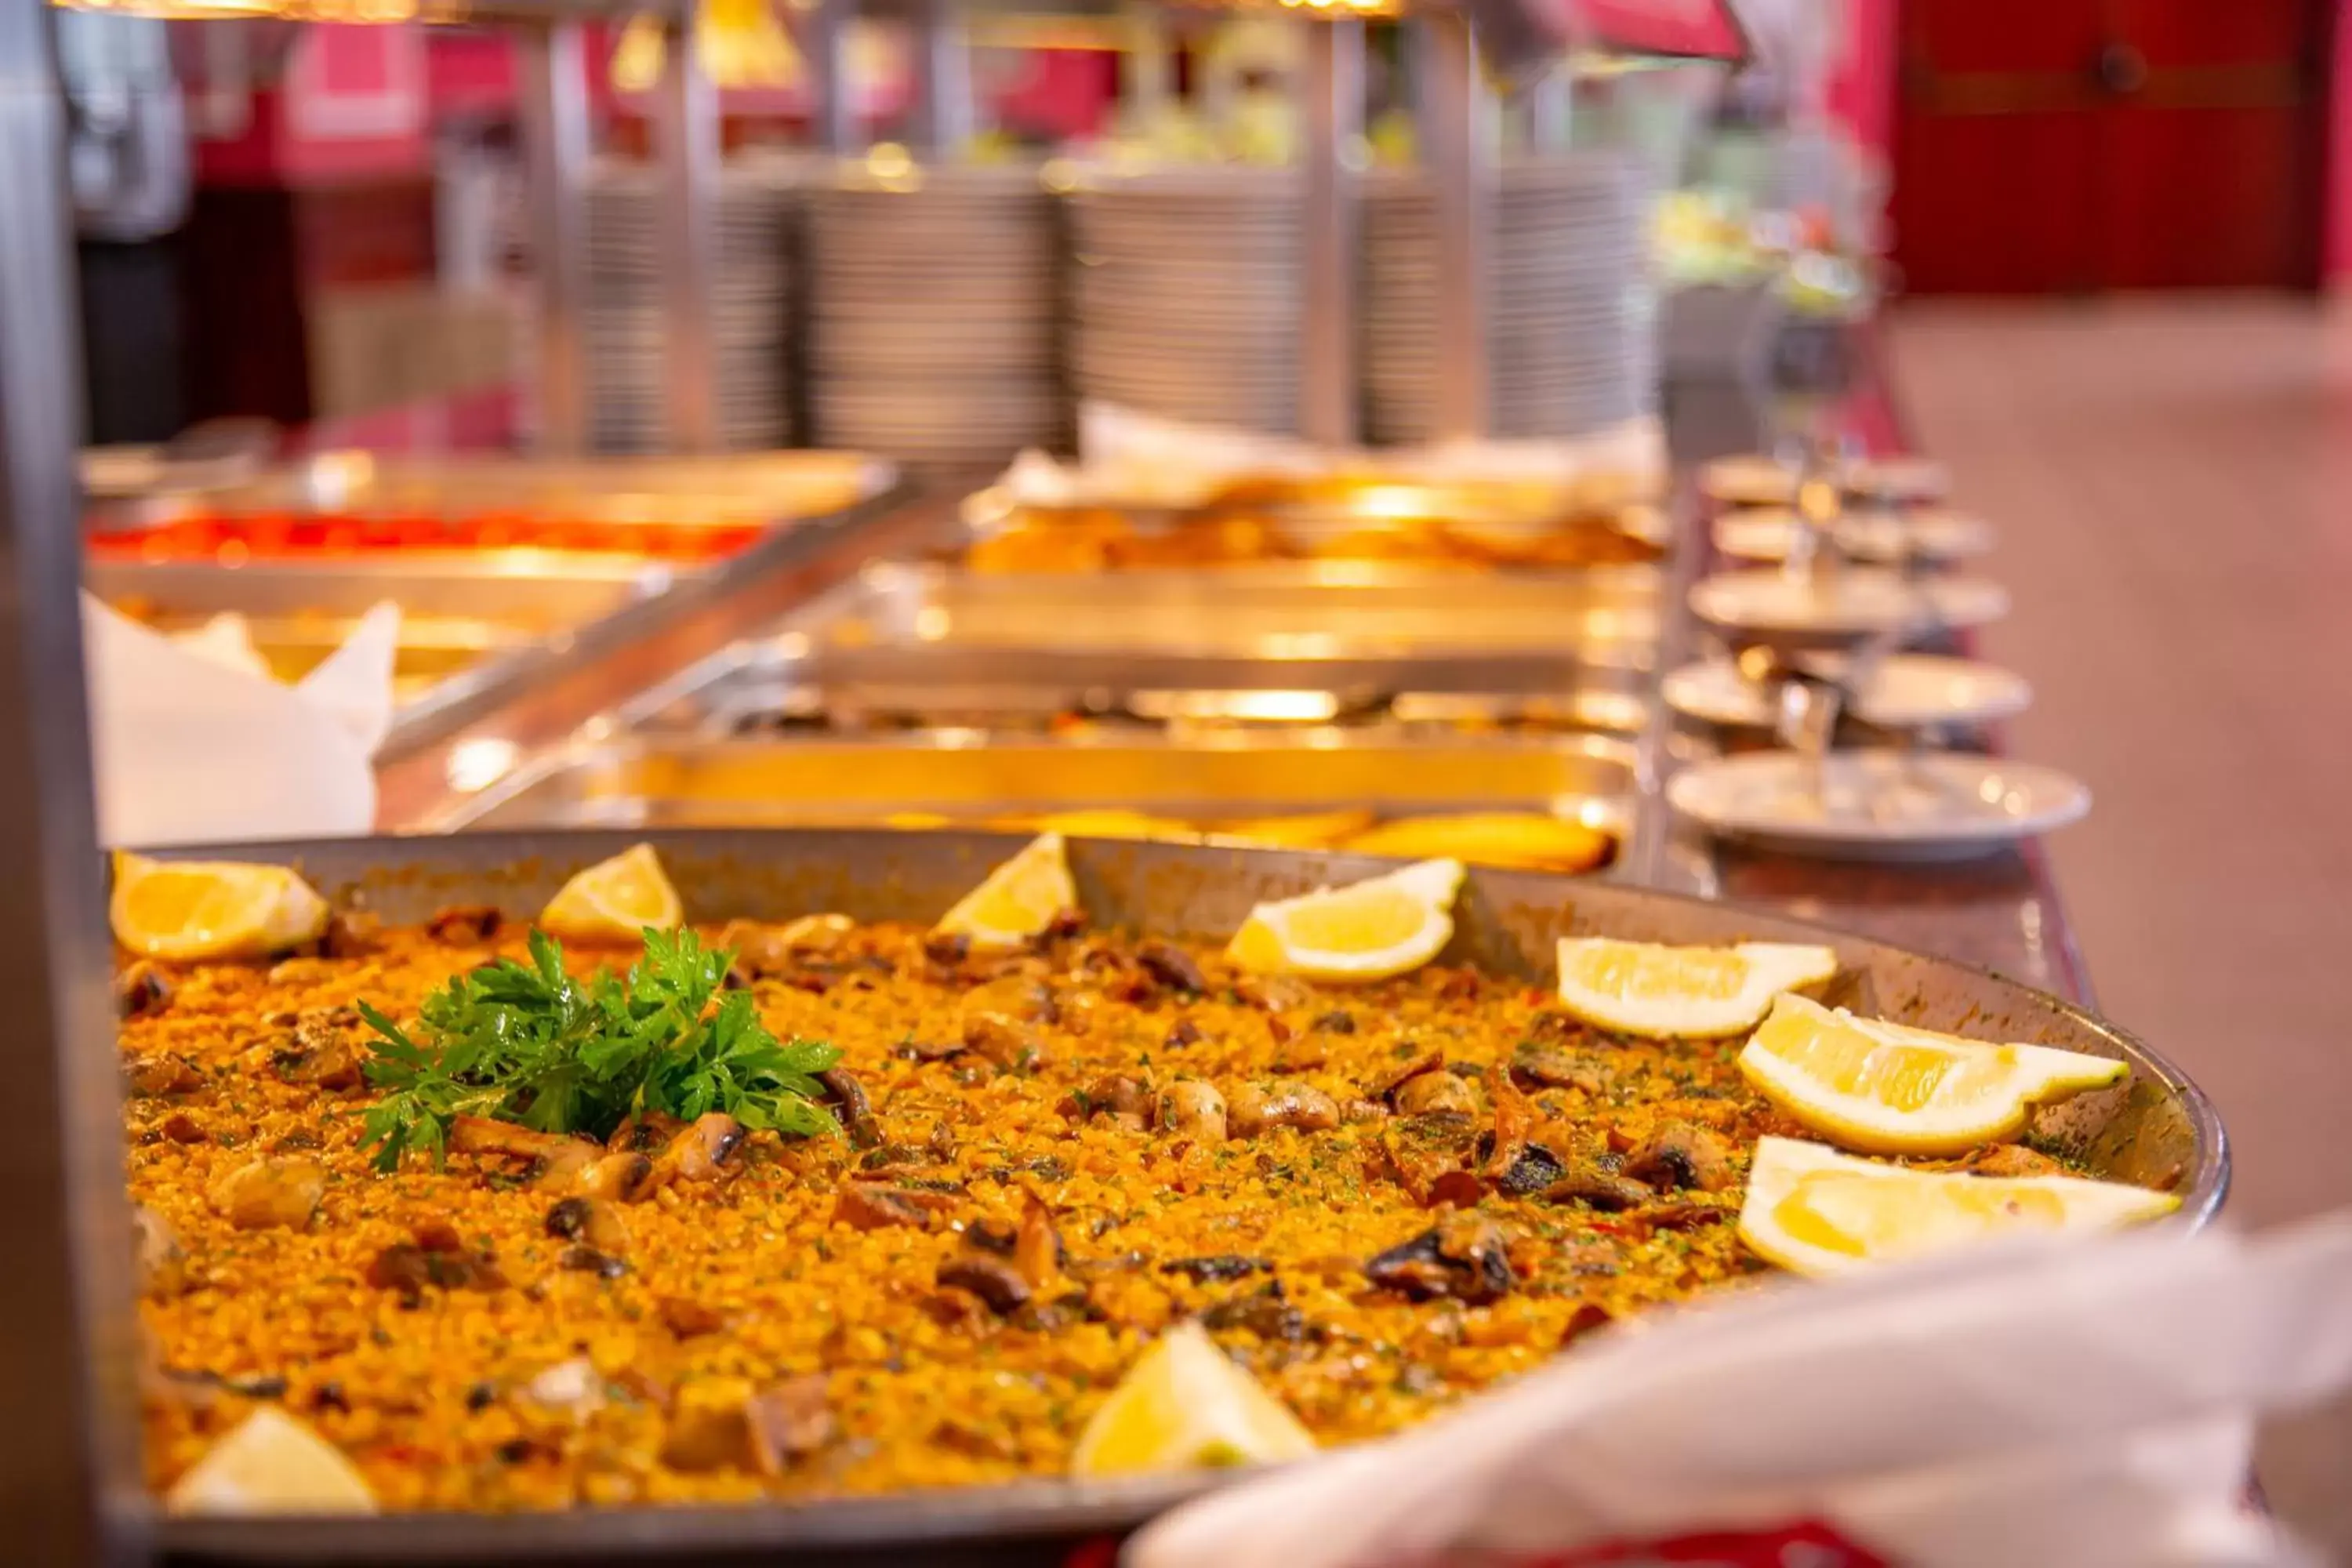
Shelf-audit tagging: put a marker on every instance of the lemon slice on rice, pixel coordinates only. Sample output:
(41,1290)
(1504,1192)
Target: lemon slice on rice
(1682,992)
(1019,899)
(1369,929)
(1184,1406)
(1814,1211)
(1888,1088)
(614,900)
(272,1464)
(189,909)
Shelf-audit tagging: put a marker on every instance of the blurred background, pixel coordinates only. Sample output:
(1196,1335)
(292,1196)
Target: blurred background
(2093,246)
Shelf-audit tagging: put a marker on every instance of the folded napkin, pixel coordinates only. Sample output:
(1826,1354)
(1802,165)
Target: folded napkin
(195,741)
(2060,1402)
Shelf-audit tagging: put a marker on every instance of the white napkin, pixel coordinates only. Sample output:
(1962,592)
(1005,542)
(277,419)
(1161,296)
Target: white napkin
(192,746)
(2084,1403)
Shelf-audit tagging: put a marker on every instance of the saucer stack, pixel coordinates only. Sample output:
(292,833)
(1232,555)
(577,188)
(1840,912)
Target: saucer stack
(756,221)
(1185,294)
(933,303)
(1571,340)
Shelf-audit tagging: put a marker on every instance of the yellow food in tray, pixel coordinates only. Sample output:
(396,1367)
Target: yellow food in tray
(1523,840)
(1516,838)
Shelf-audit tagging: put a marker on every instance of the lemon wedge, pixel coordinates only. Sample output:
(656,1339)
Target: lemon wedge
(189,909)
(1367,931)
(614,900)
(1815,1211)
(1888,1088)
(1017,899)
(1682,992)
(1183,1406)
(272,1464)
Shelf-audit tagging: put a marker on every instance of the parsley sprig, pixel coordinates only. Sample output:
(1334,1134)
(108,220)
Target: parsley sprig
(532,1045)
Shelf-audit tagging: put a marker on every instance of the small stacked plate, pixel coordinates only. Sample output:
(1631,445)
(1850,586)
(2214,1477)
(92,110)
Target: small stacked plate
(1186,292)
(933,303)
(626,330)
(1929,536)
(1572,324)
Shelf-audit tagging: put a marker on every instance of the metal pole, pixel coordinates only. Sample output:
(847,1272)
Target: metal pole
(836,92)
(68,1458)
(945,119)
(555,153)
(1148,76)
(1334,138)
(1457,159)
(687,123)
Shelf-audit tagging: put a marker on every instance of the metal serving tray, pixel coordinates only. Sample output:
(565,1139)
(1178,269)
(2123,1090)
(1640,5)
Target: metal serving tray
(2157,1130)
(492,625)
(764,489)
(1290,614)
(964,776)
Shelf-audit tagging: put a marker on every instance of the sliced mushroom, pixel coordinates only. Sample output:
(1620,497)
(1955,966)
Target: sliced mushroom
(1537,1066)
(1192,1109)
(594,1221)
(409,1267)
(1265,1313)
(1003,1039)
(1384,1088)
(1123,1100)
(322,1053)
(1216,1268)
(993,1279)
(870,1205)
(464,925)
(645,1131)
(704,1152)
(163,1073)
(630,1178)
(484,1135)
(1173,967)
(848,1097)
(277,1190)
(1252,1109)
(1037,1246)
(142,991)
(1678,1154)
(1462,1256)
(1535,1171)
(688,1319)
(1601,1189)
(1434,1091)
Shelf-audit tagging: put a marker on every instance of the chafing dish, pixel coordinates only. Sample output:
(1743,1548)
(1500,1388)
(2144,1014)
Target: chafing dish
(962,775)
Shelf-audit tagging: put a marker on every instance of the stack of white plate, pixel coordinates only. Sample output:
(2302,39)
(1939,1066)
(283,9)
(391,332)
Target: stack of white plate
(1572,323)
(933,303)
(1185,294)
(626,330)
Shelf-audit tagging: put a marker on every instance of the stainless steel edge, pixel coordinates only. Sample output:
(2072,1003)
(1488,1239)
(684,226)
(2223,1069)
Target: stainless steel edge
(491,685)
(69,1450)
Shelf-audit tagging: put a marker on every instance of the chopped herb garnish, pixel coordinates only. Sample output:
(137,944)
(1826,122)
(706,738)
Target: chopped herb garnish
(533,1046)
